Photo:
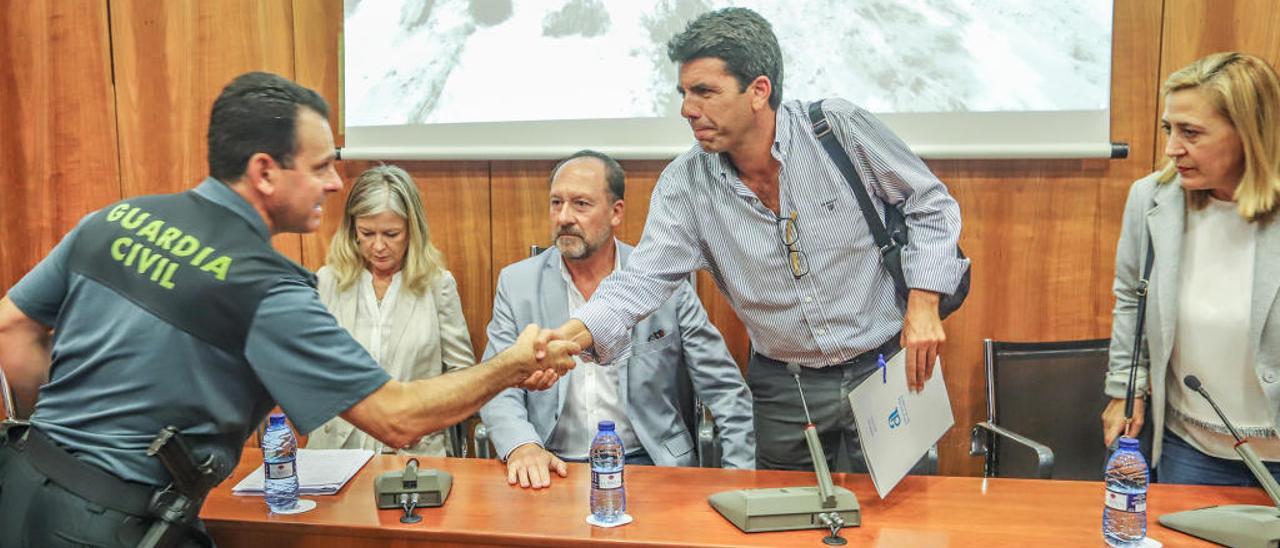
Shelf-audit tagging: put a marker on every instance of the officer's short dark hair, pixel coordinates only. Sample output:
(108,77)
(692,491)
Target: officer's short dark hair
(614,176)
(741,38)
(257,112)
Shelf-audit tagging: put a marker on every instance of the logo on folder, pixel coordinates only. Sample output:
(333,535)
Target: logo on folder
(898,416)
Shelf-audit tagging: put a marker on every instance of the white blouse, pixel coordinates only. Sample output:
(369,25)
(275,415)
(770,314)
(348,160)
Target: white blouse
(1212,336)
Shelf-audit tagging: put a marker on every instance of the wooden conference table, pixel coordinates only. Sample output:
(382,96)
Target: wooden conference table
(670,509)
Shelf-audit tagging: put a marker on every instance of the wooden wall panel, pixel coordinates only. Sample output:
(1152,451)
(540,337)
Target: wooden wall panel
(520,210)
(1195,28)
(58,130)
(171,61)
(317,29)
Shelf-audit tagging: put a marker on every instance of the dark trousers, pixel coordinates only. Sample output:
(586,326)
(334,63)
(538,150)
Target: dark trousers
(780,418)
(1182,463)
(36,512)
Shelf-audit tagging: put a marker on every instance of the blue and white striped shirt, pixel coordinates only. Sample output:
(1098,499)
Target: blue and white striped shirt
(703,217)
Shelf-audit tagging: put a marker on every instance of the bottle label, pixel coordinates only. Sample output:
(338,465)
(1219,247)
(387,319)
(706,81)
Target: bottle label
(606,480)
(280,470)
(1126,502)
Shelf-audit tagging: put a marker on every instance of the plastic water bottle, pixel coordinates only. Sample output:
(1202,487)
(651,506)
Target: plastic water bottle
(1124,516)
(279,462)
(608,494)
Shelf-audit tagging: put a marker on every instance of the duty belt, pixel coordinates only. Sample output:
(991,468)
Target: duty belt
(83,479)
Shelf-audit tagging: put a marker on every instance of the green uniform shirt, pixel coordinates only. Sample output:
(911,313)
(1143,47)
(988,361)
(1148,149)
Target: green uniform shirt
(120,372)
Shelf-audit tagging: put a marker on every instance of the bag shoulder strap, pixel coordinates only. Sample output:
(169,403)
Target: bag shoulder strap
(1139,327)
(822,130)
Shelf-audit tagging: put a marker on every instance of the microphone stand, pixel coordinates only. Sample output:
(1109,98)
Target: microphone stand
(1237,524)
(786,508)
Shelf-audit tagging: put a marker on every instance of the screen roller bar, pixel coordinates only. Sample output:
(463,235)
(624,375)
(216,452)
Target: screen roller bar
(1114,151)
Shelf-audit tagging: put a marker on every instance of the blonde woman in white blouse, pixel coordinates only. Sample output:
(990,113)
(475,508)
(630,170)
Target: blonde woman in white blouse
(386,283)
(1213,308)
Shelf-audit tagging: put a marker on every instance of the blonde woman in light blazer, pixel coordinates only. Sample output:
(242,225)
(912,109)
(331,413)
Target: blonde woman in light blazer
(385,283)
(1212,308)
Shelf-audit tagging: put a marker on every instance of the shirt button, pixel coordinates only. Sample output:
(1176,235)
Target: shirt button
(808,299)
(822,331)
(1269,376)
(835,360)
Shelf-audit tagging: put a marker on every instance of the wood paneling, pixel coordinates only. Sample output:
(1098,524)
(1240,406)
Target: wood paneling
(317,28)
(1195,28)
(520,210)
(58,130)
(172,59)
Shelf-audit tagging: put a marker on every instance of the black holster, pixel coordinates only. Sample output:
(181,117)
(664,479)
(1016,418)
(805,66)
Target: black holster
(108,491)
(177,506)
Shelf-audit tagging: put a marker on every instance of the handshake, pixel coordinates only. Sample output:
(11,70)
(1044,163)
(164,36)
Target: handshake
(543,355)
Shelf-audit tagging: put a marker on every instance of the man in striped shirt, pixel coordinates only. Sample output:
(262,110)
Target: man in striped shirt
(760,206)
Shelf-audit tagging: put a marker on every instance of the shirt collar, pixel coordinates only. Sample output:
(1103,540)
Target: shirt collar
(783,126)
(220,193)
(783,129)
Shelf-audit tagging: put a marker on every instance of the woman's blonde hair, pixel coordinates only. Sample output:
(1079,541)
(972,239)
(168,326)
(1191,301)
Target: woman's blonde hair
(379,189)
(1245,89)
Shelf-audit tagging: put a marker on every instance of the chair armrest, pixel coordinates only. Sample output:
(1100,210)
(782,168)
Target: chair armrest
(708,444)
(1044,455)
(483,448)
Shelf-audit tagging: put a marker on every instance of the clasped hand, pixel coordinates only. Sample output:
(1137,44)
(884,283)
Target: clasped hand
(542,346)
(543,358)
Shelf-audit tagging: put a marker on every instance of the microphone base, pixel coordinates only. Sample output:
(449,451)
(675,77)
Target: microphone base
(431,487)
(784,508)
(1242,525)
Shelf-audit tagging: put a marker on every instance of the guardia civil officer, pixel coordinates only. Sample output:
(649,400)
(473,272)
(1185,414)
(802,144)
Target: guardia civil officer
(175,310)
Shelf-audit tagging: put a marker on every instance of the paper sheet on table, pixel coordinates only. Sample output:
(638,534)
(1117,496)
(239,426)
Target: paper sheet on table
(320,471)
(897,427)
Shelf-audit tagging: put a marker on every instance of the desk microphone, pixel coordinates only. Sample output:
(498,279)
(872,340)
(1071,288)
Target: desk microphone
(1246,453)
(412,488)
(787,508)
(815,446)
(1237,524)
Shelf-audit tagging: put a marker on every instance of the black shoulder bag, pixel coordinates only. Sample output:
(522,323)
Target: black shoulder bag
(890,241)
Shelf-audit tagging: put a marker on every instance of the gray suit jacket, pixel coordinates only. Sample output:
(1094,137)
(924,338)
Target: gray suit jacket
(676,335)
(1161,211)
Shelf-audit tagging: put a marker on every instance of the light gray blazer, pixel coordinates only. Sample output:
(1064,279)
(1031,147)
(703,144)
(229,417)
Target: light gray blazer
(428,337)
(676,335)
(1161,211)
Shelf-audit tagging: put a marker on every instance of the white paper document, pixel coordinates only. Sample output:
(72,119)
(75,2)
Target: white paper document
(896,426)
(320,471)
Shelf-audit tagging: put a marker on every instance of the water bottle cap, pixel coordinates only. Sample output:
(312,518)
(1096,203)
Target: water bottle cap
(1128,443)
(606,426)
(277,419)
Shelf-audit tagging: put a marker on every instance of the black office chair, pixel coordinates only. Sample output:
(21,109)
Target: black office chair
(1046,397)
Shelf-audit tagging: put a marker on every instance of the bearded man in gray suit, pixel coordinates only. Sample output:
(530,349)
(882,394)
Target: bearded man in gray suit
(535,432)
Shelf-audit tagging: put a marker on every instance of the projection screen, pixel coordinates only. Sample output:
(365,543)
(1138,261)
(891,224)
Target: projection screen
(501,79)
